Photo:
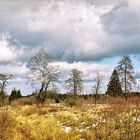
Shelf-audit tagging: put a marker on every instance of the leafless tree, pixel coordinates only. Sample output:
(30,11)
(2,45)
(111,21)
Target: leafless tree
(126,73)
(4,78)
(74,83)
(98,84)
(43,71)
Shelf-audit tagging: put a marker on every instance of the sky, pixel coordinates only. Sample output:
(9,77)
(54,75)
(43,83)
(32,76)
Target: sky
(90,35)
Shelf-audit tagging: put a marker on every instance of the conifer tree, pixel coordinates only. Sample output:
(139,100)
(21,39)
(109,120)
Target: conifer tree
(15,94)
(114,86)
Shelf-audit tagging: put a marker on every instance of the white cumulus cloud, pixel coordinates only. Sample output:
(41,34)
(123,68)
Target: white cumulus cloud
(89,70)
(14,69)
(8,52)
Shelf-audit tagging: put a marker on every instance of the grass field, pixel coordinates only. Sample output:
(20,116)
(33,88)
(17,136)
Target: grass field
(60,122)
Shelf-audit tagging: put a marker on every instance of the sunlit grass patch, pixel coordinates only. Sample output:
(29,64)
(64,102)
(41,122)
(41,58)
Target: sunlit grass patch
(60,122)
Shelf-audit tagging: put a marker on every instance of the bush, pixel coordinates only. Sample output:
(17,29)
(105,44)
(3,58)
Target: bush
(71,103)
(56,100)
(24,101)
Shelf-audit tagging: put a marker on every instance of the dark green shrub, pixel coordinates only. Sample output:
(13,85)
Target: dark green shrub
(71,103)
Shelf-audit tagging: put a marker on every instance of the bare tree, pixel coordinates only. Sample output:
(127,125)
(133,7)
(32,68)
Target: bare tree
(43,71)
(4,78)
(74,83)
(126,73)
(98,84)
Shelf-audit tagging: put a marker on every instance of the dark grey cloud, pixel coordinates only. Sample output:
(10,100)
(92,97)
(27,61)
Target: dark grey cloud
(122,21)
(122,24)
(108,2)
(83,30)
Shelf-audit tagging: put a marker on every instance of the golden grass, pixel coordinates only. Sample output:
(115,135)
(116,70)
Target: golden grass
(60,122)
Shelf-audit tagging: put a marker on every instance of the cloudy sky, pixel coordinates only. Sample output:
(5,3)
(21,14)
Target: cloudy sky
(91,35)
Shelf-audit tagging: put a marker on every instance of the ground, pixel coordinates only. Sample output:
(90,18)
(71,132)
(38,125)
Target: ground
(61,122)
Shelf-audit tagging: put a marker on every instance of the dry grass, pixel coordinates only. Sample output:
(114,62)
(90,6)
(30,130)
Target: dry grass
(119,121)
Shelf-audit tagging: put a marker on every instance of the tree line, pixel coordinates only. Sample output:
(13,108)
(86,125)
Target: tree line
(44,72)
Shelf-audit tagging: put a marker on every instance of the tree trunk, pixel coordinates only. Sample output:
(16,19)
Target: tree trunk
(125,94)
(75,88)
(96,95)
(95,98)
(46,88)
(44,94)
(39,96)
(42,87)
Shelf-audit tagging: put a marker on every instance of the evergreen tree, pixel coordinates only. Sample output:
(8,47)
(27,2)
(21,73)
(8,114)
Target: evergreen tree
(15,94)
(114,86)
(19,94)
